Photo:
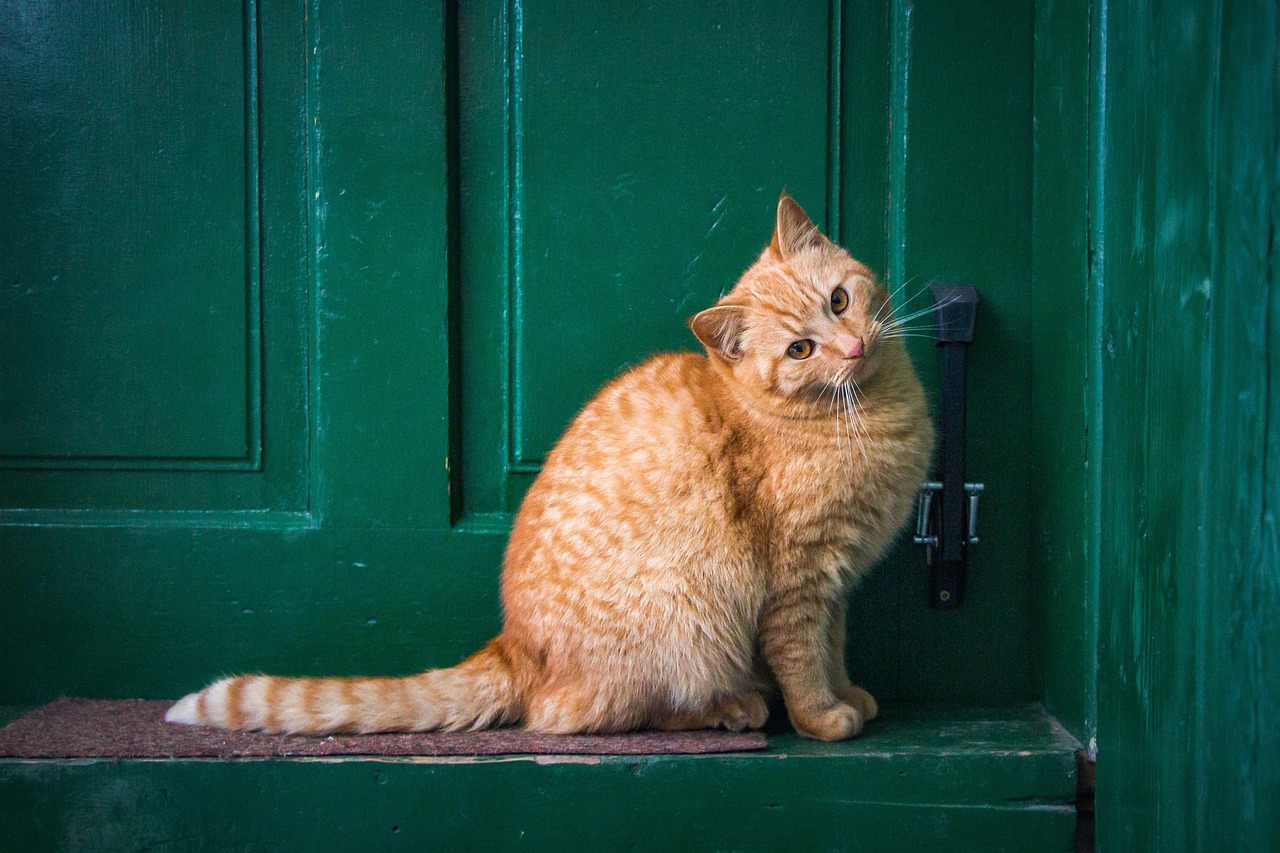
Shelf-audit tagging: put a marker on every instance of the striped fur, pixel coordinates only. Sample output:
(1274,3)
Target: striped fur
(690,540)
(480,692)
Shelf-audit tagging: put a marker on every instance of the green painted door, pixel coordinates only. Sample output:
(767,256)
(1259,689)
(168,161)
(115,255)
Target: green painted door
(295,300)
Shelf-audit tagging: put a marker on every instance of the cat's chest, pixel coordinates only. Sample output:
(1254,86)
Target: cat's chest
(844,492)
(816,488)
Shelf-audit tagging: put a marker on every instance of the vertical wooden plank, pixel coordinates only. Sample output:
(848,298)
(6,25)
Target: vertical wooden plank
(1238,651)
(1189,682)
(1158,185)
(1063,597)
(1185,154)
(864,125)
(483,260)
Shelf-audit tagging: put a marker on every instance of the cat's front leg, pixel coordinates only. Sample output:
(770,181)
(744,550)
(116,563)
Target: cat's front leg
(795,631)
(845,689)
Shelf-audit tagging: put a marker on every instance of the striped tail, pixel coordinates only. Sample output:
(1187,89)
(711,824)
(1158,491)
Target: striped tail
(482,691)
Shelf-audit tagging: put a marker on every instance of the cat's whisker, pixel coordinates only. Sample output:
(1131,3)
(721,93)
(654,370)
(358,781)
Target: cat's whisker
(858,396)
(845,416)
(859,427)
(834,385)
(901,285)
(913,297)
(899,321)
(895,335)
(906,284)
(904,335)
(953,298)
(852,409)
(918,311)
(913,328)
(835,389)
(885,332)
(895,292)
(829,408)
(843,426)
(908,325)
(893,327)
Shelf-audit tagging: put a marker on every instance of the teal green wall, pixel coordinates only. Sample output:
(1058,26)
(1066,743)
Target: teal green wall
(1153,534)
(1182,325)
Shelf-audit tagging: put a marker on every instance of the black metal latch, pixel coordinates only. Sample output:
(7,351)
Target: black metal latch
(947,513)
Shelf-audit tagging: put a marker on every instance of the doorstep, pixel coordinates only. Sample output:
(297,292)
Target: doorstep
(920,778)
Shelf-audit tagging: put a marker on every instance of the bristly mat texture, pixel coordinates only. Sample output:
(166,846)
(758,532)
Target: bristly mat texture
(135,728)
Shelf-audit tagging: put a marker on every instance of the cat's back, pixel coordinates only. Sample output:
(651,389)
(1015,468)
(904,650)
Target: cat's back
(637,472)
(665,406)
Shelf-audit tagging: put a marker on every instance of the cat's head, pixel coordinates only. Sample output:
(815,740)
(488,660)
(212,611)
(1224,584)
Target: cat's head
(804,318)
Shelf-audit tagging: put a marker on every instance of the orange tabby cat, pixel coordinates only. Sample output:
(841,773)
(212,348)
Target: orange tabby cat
(702,514)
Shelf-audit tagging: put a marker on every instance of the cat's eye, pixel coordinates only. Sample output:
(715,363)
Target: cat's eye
(801,349)
(839,300)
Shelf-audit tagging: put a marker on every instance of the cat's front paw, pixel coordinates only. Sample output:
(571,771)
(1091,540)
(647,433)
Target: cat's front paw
(836,723)
(862,700)
(736,713)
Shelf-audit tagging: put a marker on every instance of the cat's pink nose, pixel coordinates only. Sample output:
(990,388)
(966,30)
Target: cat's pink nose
(855,349)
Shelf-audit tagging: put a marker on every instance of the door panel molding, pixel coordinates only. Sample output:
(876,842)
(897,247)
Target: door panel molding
(25,441)
(255,457)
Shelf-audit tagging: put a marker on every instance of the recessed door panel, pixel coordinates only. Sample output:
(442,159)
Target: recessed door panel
(153,257)
(129,243)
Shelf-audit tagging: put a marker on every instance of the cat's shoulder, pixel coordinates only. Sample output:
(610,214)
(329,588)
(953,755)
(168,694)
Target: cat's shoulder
(664,375)
(669,391)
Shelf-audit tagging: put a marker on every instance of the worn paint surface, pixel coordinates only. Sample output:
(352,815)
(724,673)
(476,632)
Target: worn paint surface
(930,780)
(1184,154)
(1154,402)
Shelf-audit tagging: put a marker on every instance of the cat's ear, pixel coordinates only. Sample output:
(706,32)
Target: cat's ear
(720,330)
(794,231)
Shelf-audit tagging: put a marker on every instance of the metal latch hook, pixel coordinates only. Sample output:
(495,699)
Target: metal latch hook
(926,523)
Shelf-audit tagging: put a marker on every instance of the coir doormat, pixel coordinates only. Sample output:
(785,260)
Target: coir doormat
(135,728)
